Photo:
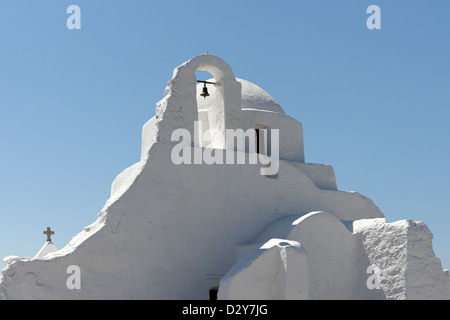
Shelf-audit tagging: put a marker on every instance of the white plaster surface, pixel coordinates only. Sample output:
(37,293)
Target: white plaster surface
(279,269)
(340,255)
(403,252)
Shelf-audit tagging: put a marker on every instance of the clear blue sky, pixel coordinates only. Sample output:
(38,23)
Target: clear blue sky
(373,103)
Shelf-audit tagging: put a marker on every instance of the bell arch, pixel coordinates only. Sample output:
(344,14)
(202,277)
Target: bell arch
(210,111)
(180,99)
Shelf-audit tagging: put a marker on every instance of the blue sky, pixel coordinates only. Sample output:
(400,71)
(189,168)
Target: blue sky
(374,104)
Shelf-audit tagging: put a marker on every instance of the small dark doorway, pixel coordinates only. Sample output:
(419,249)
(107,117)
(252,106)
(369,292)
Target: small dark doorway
(213,293)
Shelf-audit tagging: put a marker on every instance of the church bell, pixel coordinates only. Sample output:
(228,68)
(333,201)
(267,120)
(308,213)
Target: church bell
(204,93)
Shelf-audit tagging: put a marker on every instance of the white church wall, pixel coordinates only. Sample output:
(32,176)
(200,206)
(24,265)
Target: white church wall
(279,269)
(290,131)
(337,264)
(321,174)
(402,251)
(175,224)
(149,136)
(364,259)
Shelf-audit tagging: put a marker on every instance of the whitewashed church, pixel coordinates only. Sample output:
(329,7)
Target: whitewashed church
(181,227)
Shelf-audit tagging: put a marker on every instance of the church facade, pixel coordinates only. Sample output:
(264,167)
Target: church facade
(187,228)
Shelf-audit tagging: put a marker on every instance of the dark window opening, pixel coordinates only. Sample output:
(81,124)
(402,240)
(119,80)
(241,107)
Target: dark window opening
(262,137)
(257,140)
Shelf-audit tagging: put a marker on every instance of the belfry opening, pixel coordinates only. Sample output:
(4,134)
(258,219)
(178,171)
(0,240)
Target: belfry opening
(210,108)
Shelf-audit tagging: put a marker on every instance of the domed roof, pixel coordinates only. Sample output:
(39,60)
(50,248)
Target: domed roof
(253,97)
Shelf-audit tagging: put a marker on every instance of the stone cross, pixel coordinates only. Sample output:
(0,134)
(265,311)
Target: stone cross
(49,233)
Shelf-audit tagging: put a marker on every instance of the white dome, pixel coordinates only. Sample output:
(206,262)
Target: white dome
(253,97)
